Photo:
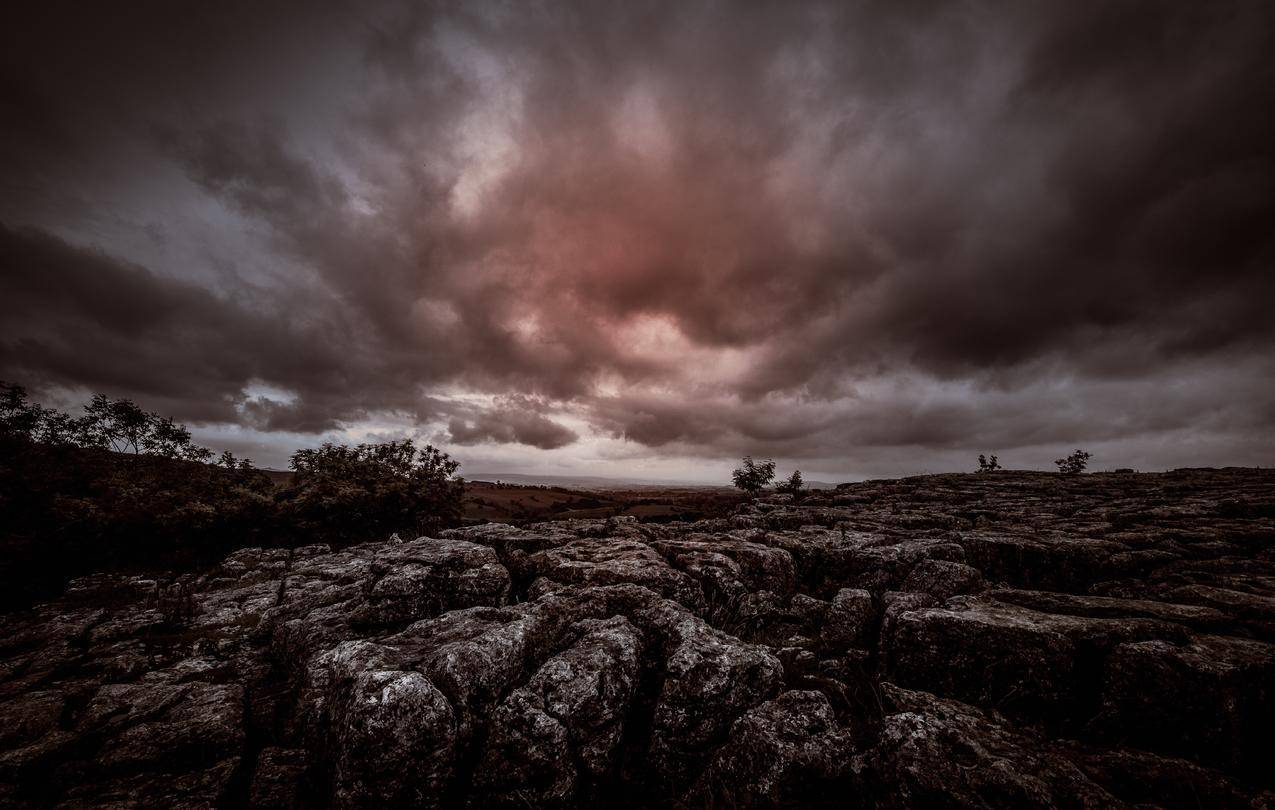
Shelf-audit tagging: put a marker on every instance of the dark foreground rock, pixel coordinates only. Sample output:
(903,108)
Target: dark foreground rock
(1002,640)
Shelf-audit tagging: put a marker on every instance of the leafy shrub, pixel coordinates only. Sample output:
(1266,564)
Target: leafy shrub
(1073,464)
(793,485)
(372,490)
(753,476)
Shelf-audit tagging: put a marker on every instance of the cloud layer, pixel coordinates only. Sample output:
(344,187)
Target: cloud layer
(869,238)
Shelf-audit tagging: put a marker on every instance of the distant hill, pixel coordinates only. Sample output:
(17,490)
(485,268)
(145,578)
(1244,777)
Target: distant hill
(587,482)
(605,484)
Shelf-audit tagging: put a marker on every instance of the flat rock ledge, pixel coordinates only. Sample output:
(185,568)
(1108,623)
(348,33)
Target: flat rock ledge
(1000,640)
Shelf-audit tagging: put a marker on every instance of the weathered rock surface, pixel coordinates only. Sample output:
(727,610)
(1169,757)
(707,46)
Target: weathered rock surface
(1002,640)
(787,752)
(557,738)
(933,752)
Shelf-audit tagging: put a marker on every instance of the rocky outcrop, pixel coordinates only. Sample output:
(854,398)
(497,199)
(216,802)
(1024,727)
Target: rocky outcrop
(787,752)
(1000,640)
(394,741)
(933,752)
(710,678)
(556,740)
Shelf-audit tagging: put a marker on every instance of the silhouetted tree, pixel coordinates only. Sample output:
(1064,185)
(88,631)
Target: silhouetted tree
(231,462)
(59,429)
(116,424)
(1074,463)
(17,416)
(753,476)
(986,464)
(793,484)
(164,437)
(21,418)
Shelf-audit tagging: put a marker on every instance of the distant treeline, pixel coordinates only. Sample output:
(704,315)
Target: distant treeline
(108,424)
(122,488)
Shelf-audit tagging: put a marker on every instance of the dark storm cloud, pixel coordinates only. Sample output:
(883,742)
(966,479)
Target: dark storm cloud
(804,228)
(514,420)
(77,317)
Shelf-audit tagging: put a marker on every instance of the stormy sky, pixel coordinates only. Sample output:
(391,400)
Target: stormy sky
(643,239)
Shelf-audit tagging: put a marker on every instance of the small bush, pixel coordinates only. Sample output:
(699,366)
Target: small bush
(1073,464)
(753,476)
(793,485)
(372,490)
